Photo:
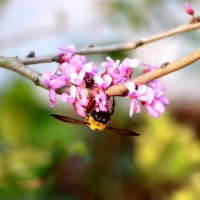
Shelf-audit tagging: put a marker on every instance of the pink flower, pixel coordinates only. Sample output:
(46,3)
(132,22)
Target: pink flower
(120,72)
(112,68)
(66,70)
(154,65)
(81,101)
(104,82)
(145,93)
(90,69)
(75,73)
(152,98)
(69,98)
(82,96)
(52,97)
(46,76)
(79,109)
(156,105)
(126,66)
(134,107)
(188,9)
(110,63)
(158,88)
(102,101)
(77,78)
(71,75)
(163,100)
(53,81)
(68,51)
(155,108)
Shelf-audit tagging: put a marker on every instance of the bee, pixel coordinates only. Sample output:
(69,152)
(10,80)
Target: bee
(97,121)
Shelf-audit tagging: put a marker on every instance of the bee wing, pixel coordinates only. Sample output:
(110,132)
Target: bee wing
(68,119)
(123,132)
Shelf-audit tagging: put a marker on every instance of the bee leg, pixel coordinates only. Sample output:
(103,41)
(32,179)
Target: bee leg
(113,106)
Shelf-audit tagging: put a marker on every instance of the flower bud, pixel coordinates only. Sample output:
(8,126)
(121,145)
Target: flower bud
(188,8)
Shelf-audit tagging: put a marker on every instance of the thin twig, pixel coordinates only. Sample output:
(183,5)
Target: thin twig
(116,47)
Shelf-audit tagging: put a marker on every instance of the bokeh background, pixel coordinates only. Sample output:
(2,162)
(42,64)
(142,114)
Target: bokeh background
(41,158)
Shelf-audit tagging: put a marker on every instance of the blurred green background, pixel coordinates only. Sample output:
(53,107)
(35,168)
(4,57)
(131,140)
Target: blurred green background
(42,158)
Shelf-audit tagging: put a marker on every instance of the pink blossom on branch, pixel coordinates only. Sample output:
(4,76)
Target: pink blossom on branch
(68,51)
(74,71)
(52,97)
(151,96)
(134,107)
(69,98)
(53,82)
(155,108)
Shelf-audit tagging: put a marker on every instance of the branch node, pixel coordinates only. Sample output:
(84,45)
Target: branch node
(56,59)
(31,54)
(194,20)
(164,64)
(139,43)
(36,81)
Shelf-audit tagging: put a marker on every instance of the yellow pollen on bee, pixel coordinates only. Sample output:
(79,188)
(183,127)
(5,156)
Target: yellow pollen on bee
(95,126)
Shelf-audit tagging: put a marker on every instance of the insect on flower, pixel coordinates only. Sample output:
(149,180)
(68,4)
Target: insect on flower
(97,121)
(87,89)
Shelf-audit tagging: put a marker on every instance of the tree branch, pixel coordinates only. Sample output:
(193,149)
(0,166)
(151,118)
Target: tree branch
(14,64)
(19,65)
(117,47)
(159,72)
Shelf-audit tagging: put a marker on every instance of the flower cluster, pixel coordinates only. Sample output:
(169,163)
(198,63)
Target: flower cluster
(79,75)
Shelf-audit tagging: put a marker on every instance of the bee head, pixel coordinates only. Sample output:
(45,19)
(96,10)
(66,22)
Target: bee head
(98,121)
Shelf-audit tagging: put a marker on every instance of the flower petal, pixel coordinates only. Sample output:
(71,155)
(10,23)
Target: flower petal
(131,108)
(81,75)
(107,80)
(153,113)
(64,97)
(136,106)
(69,50)
(102,107)
(79,109)
(46,76)
(98,79)
(52,97)
(164,100)
(158,106)
(88,67)
(142,88)
(134,62)
(82,97)
(74,78)
(130,86)
(73,91)
(57,82)
(150,95)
